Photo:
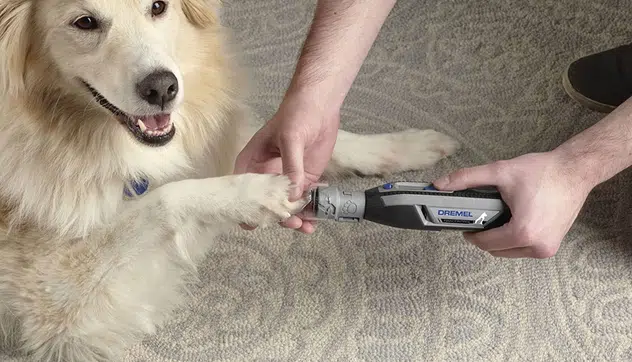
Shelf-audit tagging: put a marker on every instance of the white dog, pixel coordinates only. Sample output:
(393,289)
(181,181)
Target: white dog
(120,121)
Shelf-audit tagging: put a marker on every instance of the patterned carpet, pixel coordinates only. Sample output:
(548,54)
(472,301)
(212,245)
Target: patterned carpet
(488,73)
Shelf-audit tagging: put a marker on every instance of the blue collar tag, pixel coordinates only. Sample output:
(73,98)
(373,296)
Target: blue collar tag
(136,188)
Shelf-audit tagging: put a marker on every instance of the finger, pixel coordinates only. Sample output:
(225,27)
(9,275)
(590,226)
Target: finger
(486,175)
(308,227)
(493,239)
(522,252)
(292,223)
(292,149)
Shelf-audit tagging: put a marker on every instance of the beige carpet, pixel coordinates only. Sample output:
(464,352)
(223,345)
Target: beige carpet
(488,73)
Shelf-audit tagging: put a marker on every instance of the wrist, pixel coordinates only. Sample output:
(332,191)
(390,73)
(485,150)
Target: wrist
(311,102)
(585,171)
(327,94)
(603,150)
(341,35)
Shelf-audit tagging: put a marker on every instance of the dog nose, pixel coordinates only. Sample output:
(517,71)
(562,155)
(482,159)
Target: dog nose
(158,88)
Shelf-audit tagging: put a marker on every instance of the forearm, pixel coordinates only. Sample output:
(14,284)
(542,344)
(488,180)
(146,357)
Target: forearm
(337,44)
(603,150)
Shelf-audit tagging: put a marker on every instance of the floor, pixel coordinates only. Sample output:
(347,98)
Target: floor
(488,73)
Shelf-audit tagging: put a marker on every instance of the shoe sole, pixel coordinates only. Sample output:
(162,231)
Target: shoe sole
(582,99)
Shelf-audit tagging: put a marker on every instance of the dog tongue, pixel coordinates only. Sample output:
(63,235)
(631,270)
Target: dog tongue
(156,122)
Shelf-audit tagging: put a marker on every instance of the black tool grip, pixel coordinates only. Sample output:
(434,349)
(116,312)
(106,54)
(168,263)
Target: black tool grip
(414,217)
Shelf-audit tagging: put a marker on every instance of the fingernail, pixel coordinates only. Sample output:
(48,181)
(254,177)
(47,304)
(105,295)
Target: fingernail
(442,182)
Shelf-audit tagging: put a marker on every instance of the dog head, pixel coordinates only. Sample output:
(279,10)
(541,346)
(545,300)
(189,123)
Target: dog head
(121,54)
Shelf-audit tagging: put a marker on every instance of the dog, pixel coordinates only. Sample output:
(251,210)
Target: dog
(120,122)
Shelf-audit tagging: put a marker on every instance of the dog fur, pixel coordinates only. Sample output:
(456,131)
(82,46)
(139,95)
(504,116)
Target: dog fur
(85,272)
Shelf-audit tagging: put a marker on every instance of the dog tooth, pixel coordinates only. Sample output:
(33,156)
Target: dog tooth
(141,125)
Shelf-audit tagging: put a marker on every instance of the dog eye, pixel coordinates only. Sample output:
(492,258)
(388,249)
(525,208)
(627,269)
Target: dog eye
(86,23)
(158,7)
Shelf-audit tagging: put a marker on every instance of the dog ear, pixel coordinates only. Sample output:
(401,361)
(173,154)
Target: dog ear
(14,44)
(201,13)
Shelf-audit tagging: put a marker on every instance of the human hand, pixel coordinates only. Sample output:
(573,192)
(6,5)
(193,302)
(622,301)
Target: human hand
(298,142)
(543,194)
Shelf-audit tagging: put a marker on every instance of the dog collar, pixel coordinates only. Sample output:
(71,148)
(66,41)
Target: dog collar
(136,188)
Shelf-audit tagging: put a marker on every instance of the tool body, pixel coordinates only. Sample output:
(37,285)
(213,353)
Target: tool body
(411,205)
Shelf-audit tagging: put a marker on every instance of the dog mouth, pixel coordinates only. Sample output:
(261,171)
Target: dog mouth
(152,130)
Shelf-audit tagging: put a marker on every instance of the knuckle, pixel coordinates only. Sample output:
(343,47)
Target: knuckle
(291,136)
(545,251)
(499,168)
(525,236)
(518,238)
(501,165)
(458,175)
(474,240)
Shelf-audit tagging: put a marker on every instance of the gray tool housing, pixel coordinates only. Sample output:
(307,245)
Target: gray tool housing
(331,203)
(413,205)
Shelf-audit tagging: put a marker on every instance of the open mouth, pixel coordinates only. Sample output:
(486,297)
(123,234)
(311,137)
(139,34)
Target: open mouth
(152,130)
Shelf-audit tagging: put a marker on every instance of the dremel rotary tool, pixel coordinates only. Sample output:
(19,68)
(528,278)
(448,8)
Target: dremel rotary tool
(411,205)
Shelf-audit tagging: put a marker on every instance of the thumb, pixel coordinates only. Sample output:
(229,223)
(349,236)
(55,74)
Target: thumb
(244,161)
(292,149)
(467,178)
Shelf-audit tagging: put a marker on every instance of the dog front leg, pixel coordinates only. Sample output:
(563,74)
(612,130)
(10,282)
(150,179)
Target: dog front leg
(98,295)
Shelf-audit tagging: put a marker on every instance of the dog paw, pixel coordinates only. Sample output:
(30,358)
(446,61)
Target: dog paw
(416,149)
(265,199)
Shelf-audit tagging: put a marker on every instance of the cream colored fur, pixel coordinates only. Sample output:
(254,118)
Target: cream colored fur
(85,273)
